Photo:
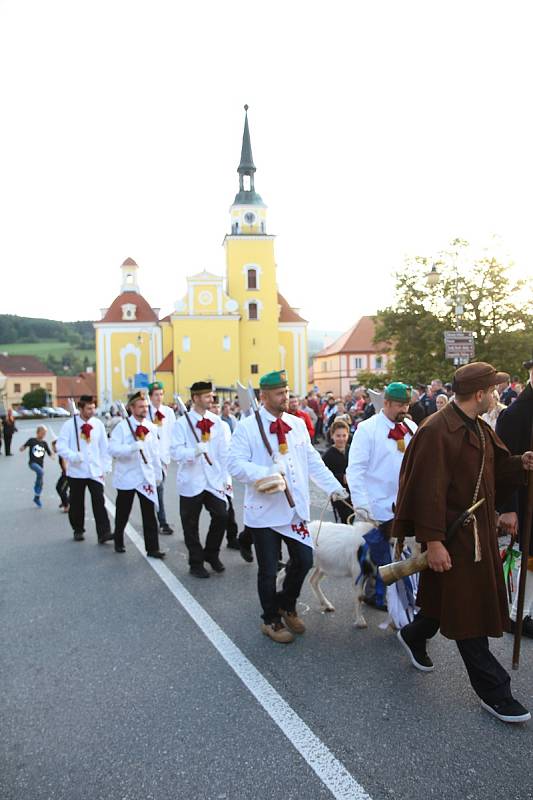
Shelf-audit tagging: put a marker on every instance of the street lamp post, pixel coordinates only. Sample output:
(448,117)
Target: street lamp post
(457,301)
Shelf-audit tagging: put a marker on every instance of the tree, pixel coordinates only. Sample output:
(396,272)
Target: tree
(473,291)
(373,380)
(35,399)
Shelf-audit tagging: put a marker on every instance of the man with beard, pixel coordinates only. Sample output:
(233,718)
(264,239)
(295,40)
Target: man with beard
(454,461)
(374,463)
(514,426)
(271,479)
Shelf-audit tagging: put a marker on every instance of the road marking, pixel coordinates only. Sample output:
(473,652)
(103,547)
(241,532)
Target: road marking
(329,769)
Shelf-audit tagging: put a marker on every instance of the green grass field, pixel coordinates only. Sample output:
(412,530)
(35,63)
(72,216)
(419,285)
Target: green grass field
(46,348)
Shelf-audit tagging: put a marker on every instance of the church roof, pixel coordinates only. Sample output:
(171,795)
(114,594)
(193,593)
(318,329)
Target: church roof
(129,262)
(358,339)
(167,365)
(287,313)
(144,312)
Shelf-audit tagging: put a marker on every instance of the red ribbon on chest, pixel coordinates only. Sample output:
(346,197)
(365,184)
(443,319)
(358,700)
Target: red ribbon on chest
(86,431)
(158,418)
(205,426)
(141,432)
(281,429)
(398,434)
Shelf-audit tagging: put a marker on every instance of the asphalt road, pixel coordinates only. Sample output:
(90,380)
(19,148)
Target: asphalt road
(110,689)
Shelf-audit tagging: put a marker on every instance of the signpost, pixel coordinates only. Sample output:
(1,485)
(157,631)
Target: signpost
(459,346)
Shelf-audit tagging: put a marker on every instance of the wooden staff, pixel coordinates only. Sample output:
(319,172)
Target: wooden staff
(124,415)
(74,412)
(524,547)
(183,409)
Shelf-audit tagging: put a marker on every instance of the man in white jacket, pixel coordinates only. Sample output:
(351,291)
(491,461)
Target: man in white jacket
(82,442)
(276,503)
(137,470)
(200,448)
(374,463)
(163,418)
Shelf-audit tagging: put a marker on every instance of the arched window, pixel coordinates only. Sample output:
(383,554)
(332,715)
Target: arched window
(253,312)
(252,279)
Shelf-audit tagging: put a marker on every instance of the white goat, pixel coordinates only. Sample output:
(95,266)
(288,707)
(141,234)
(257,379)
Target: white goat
(336,555)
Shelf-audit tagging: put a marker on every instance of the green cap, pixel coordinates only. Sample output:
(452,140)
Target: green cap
(155,385)
(274,380)
(399,392)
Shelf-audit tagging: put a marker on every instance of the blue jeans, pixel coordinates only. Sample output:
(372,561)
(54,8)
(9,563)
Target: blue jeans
(39,473)
(267,546)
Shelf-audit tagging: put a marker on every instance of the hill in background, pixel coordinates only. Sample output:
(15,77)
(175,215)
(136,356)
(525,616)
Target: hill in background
(65,347)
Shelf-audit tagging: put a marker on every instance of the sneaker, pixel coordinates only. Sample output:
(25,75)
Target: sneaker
(292,621)
(277,632)
(418,655)
(508,710)
(37,501)
(78,536)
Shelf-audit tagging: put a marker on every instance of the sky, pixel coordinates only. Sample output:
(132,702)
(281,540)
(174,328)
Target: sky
(378,130)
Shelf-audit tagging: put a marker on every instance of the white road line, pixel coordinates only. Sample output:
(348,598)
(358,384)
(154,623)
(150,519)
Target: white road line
(331,772)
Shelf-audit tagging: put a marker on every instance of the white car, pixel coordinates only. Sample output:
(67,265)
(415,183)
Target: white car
(61,412)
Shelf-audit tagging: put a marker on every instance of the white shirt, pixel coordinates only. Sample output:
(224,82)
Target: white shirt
(130,471)
(194,474)
(374,463)
(164,430)
(249,461)
(95,452)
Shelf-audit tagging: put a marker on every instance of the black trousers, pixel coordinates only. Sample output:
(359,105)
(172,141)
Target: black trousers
(267,544)
(161,514)
(7,442)
(125,499)
(232,529)
(190,510)
(62,489)
(489,679)
(76,513)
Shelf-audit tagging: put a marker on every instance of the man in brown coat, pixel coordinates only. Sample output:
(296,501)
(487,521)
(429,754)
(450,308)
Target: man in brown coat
(454,460)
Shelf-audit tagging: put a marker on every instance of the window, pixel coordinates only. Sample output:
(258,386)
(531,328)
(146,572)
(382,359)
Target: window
(253,311)
(252,279)
(48,387)
(324,366)
(186,344)
(357,362)
(378,362)
(226,343)
(254,369)
(16,388)
(34,386)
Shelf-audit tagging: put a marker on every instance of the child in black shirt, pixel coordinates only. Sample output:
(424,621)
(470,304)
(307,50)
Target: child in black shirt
(38,447)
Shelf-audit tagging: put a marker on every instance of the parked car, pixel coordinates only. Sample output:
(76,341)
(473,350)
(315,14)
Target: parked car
(49,411)
(61,412)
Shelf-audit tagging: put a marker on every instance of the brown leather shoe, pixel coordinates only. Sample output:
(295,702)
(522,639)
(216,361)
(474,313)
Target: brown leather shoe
(292,621)
(277,632)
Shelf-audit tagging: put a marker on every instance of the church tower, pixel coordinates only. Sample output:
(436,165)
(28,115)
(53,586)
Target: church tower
(251,273)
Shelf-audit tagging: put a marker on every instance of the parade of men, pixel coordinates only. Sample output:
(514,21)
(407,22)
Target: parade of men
(199,446)
(454,461)
(272,455)
(163,418)
(136,472)
(266,401)
(83,444)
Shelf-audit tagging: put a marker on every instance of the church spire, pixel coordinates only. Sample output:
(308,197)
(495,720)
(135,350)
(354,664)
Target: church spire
(246,169)
(247,166)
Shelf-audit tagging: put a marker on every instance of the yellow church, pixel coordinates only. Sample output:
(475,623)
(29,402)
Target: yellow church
(222,329)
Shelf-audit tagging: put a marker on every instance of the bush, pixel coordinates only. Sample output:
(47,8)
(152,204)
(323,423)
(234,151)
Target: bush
(35,399)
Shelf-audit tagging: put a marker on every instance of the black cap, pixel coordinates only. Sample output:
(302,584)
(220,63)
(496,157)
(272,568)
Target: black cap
(201,387)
